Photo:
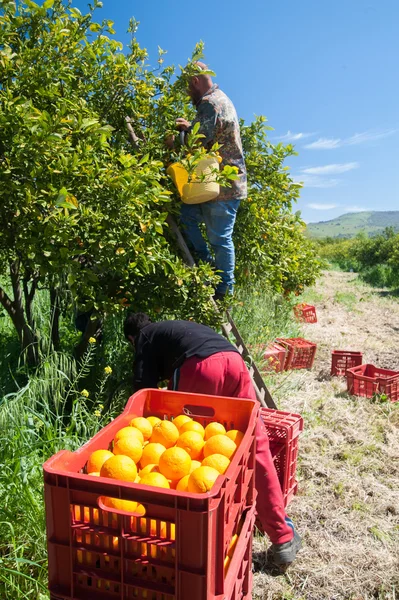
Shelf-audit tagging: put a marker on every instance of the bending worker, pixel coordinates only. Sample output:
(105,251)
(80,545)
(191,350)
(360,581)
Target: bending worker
(218,123)
(197,359)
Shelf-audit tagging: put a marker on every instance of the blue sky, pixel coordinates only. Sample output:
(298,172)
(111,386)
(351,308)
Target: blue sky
(325,74)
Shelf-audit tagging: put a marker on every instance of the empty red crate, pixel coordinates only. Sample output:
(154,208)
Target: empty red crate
(341,360)
(305,313)
(283,429)
(300,353)
(367,380)
(177,549)
(274,357)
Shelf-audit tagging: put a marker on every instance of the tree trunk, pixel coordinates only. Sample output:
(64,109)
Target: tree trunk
(93,329)
(15,310)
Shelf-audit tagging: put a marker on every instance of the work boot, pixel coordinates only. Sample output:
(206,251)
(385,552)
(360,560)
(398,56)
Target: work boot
(283,555)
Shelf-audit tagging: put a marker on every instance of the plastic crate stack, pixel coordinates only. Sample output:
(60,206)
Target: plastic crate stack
(283,429)
(181,548)
(300,353)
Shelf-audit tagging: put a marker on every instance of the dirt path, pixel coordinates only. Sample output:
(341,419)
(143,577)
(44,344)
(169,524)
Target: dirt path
(348,502)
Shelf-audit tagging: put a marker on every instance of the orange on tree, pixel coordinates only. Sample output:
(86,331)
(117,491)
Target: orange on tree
(155,479)
(151,454)
(214,429)
(202,479)
(182,484)
(217,461)
(129,431)
(180,420)
(129,446)
(175,463)
(96,460)
(151,468)
(119,467)
(165,433)
(219,444)
(192,442)
(153,420)
(192,426)
(143,425)
(236,436)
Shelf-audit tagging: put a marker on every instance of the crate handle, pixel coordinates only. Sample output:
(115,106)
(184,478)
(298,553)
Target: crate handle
(106,508)
(192,410)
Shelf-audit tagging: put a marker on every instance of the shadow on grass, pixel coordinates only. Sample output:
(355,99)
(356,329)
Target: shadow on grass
(388,293)
(262,565)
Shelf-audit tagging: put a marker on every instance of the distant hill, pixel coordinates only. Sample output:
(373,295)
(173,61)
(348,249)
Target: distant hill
(350,224)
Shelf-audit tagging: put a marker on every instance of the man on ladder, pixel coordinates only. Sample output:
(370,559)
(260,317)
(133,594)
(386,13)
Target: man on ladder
(218,123)
(196,359)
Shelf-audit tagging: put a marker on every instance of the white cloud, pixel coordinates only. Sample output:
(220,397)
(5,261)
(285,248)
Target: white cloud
(293,137)
(331,169)
(315,181)
(354,140)
(324,144)
(322,206)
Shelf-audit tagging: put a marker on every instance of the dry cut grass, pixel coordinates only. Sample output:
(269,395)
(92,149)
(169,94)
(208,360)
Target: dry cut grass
(347,509)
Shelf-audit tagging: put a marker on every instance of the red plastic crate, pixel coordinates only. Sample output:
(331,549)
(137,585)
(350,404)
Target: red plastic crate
(367,380)
(283,429)
(177,550)
(238,580)
(341,360)
(275,358)
(306,313)
(300,353)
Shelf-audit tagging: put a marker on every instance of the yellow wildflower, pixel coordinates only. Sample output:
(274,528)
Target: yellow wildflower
(92,340)
(97,413)
(108,370)
(85,393)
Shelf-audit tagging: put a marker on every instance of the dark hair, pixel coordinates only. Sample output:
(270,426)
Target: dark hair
(134,323)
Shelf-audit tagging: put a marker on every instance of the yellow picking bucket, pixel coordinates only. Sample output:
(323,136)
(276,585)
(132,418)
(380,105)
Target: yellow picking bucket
(196,192)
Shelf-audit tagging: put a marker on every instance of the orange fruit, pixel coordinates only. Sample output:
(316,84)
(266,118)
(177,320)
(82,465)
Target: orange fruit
(192,426)
(155,479)
(95,473)
(214,429)
(226,564)
(165,433)
(153,420)
(151,454)
(201,480)
(140,510)
(181,420)
(175,463)
(118,504)
(219,444)
(97,459)
(151,468)
(182,484)
(143,425)
(192,442)
(119,467)
(195,464)
(216,461)
(129,446)
(129,431)
(236,436)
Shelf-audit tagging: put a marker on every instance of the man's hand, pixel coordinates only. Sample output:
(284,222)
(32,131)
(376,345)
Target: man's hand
(170,141)
(182,124)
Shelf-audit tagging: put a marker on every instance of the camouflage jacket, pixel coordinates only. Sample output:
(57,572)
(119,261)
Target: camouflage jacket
(219,123)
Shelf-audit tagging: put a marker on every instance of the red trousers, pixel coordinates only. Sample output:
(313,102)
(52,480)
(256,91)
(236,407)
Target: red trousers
(225,374)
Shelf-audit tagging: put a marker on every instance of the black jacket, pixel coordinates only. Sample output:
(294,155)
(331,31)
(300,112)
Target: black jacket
(163,347)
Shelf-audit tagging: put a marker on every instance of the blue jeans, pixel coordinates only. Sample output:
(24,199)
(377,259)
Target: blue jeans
(219,218)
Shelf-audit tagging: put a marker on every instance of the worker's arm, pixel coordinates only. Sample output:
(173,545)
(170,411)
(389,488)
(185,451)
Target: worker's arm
(145,366)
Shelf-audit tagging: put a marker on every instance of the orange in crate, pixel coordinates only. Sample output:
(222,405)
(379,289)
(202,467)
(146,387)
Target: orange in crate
(101,553)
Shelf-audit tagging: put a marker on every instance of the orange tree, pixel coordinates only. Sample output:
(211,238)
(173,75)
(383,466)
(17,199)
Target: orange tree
(82,210)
